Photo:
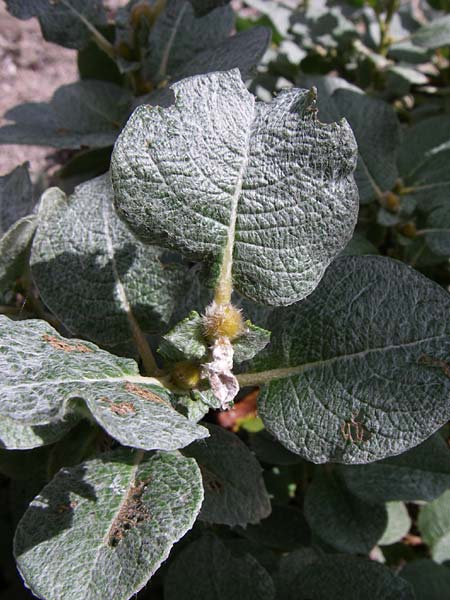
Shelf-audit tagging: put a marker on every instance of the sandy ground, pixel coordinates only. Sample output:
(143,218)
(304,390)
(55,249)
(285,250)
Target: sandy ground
(30,71)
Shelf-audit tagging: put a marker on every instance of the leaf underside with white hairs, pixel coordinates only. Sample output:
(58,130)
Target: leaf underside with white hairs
(266,187)
(114,518)
(43,376)
(93,274)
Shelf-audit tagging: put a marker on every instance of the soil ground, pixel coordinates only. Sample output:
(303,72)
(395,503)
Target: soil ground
(30,71)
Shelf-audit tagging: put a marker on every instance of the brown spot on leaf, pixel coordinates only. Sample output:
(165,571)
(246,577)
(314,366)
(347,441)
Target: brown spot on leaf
(354,430)
(146,394)
(119,408)
(62,508)
(60,344)
(132,512)
(429,361)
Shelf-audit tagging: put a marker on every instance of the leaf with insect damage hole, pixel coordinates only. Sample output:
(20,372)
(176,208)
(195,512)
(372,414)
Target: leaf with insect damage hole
(235,493)
(361,369)
(85,113)
(422,473)
(186,342)
(114,518)
(347,577)
(206,570)
(376,128)
(339,518)
(93,274)
(44,377)
(65,22)
(265,188)
(178,35)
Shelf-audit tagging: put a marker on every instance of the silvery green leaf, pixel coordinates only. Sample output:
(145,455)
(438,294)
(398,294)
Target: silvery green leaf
(192,406)
(186,342)
(206,570)
(217,171)
(250,343)
(335,576)
(422,473)
(14,248)
(15,435)
(376,128)
(114,518)
(235,493)
(62,22)
(277,12)
(243,51)
(359,370)
(429,580)
(178,35)
(92,272)
(45,376)
(434,527)
(85,113)
(203,7)
(16,196)
(398,524)
(433,35)
(340,519)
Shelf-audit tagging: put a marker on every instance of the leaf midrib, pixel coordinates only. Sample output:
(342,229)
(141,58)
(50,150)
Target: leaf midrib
(263,377)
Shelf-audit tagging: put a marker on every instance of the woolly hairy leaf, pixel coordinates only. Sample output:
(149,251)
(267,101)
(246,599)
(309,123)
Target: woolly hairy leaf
(15,435)
(348,577)
(101,529)
(340,519)
(178,35)
(219,175)
(186,341)
(44,374)
(93,273)
(434,526)
(206,570)
(62,22)
(359,371)
(85,113)
(376,128)
(234,488)
(423,473)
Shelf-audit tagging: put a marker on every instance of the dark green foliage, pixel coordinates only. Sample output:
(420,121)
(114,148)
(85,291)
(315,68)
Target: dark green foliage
(292,159)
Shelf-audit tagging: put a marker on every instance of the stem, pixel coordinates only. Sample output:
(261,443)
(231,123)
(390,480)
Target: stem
(145,352)
(99,39)
(385,24)
(431,230)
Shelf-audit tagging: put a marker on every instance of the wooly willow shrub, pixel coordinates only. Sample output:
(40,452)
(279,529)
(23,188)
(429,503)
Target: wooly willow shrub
(210,261)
